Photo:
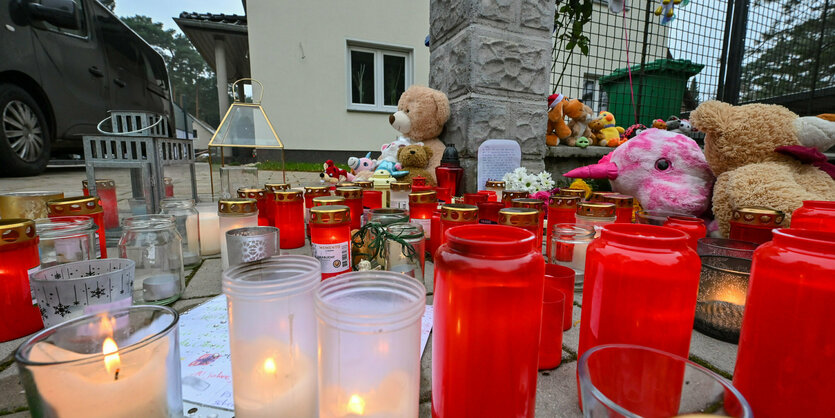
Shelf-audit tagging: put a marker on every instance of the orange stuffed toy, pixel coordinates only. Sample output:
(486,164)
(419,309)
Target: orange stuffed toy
(557,129)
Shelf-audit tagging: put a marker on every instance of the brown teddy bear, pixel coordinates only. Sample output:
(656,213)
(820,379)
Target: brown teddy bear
(421,115)
(557,129)
(415,159)
(741,147)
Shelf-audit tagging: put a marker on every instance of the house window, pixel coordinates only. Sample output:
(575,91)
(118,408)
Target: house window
(593,96)
(377,76)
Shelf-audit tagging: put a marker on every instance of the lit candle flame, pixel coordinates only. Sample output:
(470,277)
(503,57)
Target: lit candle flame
(356,405)
(269,366)
(112,362)
(731,295)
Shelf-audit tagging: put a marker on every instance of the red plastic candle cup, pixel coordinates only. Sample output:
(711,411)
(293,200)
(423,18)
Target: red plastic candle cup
(786,333)
(19,250)
(260,196)
(270,206)
(421,206)
(433,244)
(168,183)
(561,210)
(562,278)
(309,193)
(448,177)
(488,212)
(550,339)
(475,353)
(524,218)
(443,195)
(624,206)
(599,196)
(755,224)
(330,238)
(82,206)
(106,191)
(289,218)
(371,199)
(328,201)
(816,215)
(536,204)
(475,198)
(456,214)
(491,195)
(640,279)
(353,199)
(509,195)
(690,225)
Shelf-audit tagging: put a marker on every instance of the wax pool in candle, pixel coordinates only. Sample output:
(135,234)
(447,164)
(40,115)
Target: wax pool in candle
(93,389)
(388,399)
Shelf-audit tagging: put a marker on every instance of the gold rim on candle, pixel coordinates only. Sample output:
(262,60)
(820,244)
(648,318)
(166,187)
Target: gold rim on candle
(573,192)
(563,202)
(78,205)
(521,217)
(237,206)
(428,196)
(399,186)
(328,200)
(330,215)
(288,195)
(252,193)
(14,231)
(596,209)
(349,193)
(759,215)
(458,212)
(529,203)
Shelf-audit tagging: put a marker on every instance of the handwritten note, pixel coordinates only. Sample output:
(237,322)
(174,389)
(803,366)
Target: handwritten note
(496,157)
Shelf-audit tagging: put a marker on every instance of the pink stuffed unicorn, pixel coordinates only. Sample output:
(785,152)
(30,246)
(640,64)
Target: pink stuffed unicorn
(663,170)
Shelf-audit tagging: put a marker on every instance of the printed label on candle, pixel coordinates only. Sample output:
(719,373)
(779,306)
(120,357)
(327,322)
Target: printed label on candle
(333,257)
(426,224)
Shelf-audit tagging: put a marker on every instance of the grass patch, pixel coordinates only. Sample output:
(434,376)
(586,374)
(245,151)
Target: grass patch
(572,355)
(295,166)
(14,411)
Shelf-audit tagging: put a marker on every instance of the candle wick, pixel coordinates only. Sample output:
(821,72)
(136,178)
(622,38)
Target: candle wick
(116,376)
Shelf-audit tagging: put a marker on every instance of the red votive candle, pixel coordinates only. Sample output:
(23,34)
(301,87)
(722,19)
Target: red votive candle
(475,198)
(443,195)
(260,196)
(371,199)
(270,206)
(354,200)
(475,350)
(692,226)
(418,181)
(599,196)
(550,339)
(168,183)
(573,192)
(624,206)
(528,203)
(19,251)
(755,224)
(289,218)
(309,193)
(330,238)
(524,218)
(491,195)
(328,201)
(433,244)
(816,215)
(509,195)
(82,206)
(488,212)
(562,278)
(456,214)
(421,206)
(561,210)
(106,190)
(786,356)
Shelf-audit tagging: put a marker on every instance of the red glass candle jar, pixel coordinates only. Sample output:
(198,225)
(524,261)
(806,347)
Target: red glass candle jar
(443,195)
(19,251)
(433,244)
(599,196)
(786,356)
(573,192)
(82,206)
(524,218)
(289,218)
(818,215)
(550,335)
(106,190)
(270,206)
(371,199)
(418,181)
(475,198)
(456,214)
(536,204)
(488,212)
(353,199)
(562,278)
(260,196)
(509,195)
(330,238)
(309,193)
(421,206)
(491,195)
(475,353)
(755,224)
(640,287)
(450,174)
(624,206)
(495,186)
(168,183)
(561,210)
(328,201)
(692,226)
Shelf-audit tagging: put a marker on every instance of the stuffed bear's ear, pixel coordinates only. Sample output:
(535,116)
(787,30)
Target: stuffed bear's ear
(428,151)
(710,116)
(442,103)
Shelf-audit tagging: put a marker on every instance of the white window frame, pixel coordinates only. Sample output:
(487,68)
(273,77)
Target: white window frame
(379,50)
(597,104)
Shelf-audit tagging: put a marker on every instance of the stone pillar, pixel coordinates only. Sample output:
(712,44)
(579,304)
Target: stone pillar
(492,58)
(220,71)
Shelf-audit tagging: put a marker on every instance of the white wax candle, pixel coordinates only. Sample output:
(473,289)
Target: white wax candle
(193,243)
(209,233)
(160,287)
(390,398)
(272,379)
(88,390)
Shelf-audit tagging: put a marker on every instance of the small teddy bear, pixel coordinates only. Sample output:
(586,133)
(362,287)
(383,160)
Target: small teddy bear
(580,115)
(333,174)
(415,159)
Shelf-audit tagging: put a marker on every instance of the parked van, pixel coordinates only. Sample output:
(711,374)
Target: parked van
(63,65)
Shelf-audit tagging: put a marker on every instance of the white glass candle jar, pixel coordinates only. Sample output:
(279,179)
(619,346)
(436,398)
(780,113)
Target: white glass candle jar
(272,336)
(369,344)
(568,246)
(65,239)
(154,244)
(233,214)
(186,219)
(400,195)
(208,224)
(594,215)
(119,363)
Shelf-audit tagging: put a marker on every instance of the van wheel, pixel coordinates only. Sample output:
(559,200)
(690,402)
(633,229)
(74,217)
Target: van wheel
(25,142)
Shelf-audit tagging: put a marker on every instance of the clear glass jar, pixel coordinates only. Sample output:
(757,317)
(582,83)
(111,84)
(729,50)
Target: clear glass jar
(568,246)
(153,243)
(186,218)
(233,214)
(65,239)
(401,260)
(594,215)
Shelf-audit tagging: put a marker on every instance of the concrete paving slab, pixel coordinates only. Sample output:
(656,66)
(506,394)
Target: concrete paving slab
(206,281)
(183,305)
(556,392)
(13,397)
(717,353)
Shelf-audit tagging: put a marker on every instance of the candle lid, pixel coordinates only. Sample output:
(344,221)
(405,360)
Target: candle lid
(494,183)
(573,192)
(100,183)
(418,181)
(522,217)
(514,194)
(759,215)
(596,209)
(252,193)
(364,184)
(400,186)
(525,202)
(316,190)
(328,200)
(274,187)
(563,202)
(349,193)
(345,184)
(237,206)
(428,196)
(168,181)
(330,215)
(458,212)
(13,231)
(600,196)
(620,200)
(79,205)
(288,195)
